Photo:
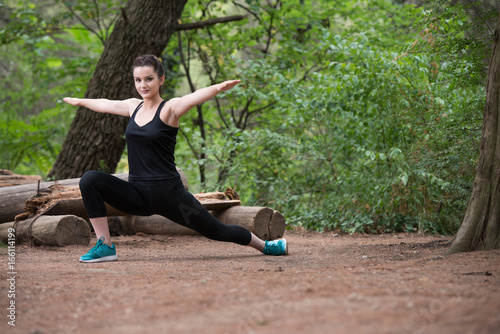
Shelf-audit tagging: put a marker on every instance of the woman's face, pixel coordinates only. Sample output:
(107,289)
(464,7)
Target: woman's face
(147,82)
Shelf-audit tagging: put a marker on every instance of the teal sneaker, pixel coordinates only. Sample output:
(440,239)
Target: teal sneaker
(276,247)
(100,253)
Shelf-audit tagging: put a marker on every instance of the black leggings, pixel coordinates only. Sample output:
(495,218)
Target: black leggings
(167,198)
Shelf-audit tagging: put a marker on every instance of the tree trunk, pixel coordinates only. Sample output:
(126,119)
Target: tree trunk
(96,141)
(480,228)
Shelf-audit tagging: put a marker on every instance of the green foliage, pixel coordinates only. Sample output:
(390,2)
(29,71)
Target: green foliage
(361,116)
(37,71)
(33,144)
(348,169)
(25,19)
(45,18)
(359,137)
(459,37)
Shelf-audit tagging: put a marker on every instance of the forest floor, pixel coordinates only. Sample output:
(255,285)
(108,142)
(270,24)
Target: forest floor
(394,283)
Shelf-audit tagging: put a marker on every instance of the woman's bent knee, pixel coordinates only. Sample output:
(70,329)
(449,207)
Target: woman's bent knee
(90,178)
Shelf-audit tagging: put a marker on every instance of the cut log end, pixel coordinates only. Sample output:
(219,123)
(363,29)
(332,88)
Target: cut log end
(72,230)
(50,231)
(277,226)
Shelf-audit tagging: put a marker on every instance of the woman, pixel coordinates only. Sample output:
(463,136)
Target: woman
(154,185)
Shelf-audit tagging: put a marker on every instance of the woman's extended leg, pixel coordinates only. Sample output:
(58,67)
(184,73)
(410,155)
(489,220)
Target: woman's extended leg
(172,201)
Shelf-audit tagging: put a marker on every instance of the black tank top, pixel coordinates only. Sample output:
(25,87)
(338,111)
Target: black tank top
(151,149)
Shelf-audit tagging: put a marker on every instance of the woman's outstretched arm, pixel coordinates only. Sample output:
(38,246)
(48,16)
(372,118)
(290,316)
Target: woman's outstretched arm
(116,107)
(181,105)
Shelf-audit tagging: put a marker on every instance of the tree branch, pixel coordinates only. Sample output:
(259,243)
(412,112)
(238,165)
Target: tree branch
(254,14)
(219,111)
(210,22)
(195,153)
(250,113)
(82,21)
(243,113)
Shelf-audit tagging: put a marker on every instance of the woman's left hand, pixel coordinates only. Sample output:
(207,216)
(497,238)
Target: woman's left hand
(227,85)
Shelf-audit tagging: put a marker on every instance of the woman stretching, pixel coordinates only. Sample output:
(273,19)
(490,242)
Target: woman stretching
(154,185)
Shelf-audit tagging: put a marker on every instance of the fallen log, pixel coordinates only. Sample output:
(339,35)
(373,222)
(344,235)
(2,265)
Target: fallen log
(9,179)
(12,199)
(60,200)
(264,222)
(49,230)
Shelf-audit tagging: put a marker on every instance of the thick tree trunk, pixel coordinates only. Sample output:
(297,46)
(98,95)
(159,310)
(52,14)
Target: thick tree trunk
(95,141)
(480,228)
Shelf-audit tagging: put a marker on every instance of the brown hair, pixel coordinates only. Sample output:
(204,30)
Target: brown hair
(152,61)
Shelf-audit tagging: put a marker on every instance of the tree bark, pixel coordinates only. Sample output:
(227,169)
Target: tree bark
(480,228)
(95,141)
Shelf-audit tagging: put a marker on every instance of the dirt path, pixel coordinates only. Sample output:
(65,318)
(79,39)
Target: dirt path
(186,284)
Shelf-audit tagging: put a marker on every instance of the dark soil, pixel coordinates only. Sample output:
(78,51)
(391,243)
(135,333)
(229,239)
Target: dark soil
(188,284)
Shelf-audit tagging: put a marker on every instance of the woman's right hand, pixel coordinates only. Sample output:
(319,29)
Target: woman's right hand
(72,100)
